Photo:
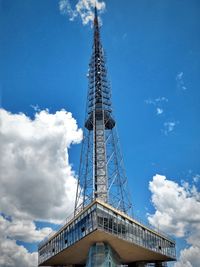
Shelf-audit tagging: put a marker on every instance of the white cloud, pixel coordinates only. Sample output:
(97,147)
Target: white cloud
(196,178)
(177,211)
(22,230)
(83,8)
(158,103)
(159,111)
(180,81)
(149,101)
(189,257)
(66,9)
(161,99)
(36,108)
(12,255)
(179,75)
(169,126)
(37,182)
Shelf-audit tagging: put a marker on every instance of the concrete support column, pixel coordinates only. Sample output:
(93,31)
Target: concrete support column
(102,255)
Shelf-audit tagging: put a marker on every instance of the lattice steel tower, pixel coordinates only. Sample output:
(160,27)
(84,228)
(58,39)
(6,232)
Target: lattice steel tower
(101,173)
(101,232)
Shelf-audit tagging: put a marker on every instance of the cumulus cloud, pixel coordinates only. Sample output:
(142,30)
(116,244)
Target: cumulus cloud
(177,212)
(36,178)
(83,8)
(189,257)
(23,230)
(37,181)
(12,255)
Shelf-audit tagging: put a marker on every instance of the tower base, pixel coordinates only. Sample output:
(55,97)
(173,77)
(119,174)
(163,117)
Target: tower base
(102,255)
(98,223)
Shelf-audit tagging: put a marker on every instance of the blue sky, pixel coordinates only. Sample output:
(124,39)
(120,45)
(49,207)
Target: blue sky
(153,61)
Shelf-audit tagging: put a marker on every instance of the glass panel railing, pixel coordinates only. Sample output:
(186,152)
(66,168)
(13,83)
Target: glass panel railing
(134,232)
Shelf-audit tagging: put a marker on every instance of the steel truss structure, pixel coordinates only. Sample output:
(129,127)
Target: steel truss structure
(101,172)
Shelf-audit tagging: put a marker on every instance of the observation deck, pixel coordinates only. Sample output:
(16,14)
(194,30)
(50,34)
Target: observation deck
(99,222)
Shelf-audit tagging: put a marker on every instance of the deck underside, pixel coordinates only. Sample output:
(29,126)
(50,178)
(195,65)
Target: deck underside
(128,252)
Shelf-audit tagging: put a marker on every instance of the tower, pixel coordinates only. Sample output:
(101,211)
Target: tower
(101,172)
(101,232)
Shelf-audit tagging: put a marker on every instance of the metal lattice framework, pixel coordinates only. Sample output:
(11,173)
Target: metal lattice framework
(101,170)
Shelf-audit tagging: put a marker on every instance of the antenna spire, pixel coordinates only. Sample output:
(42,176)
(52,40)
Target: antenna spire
(95,12)
(101,173)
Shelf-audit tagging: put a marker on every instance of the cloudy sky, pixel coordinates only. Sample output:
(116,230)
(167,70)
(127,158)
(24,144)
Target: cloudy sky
(153,60)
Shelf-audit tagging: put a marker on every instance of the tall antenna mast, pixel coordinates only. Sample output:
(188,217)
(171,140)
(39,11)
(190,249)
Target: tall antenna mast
(101,172)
